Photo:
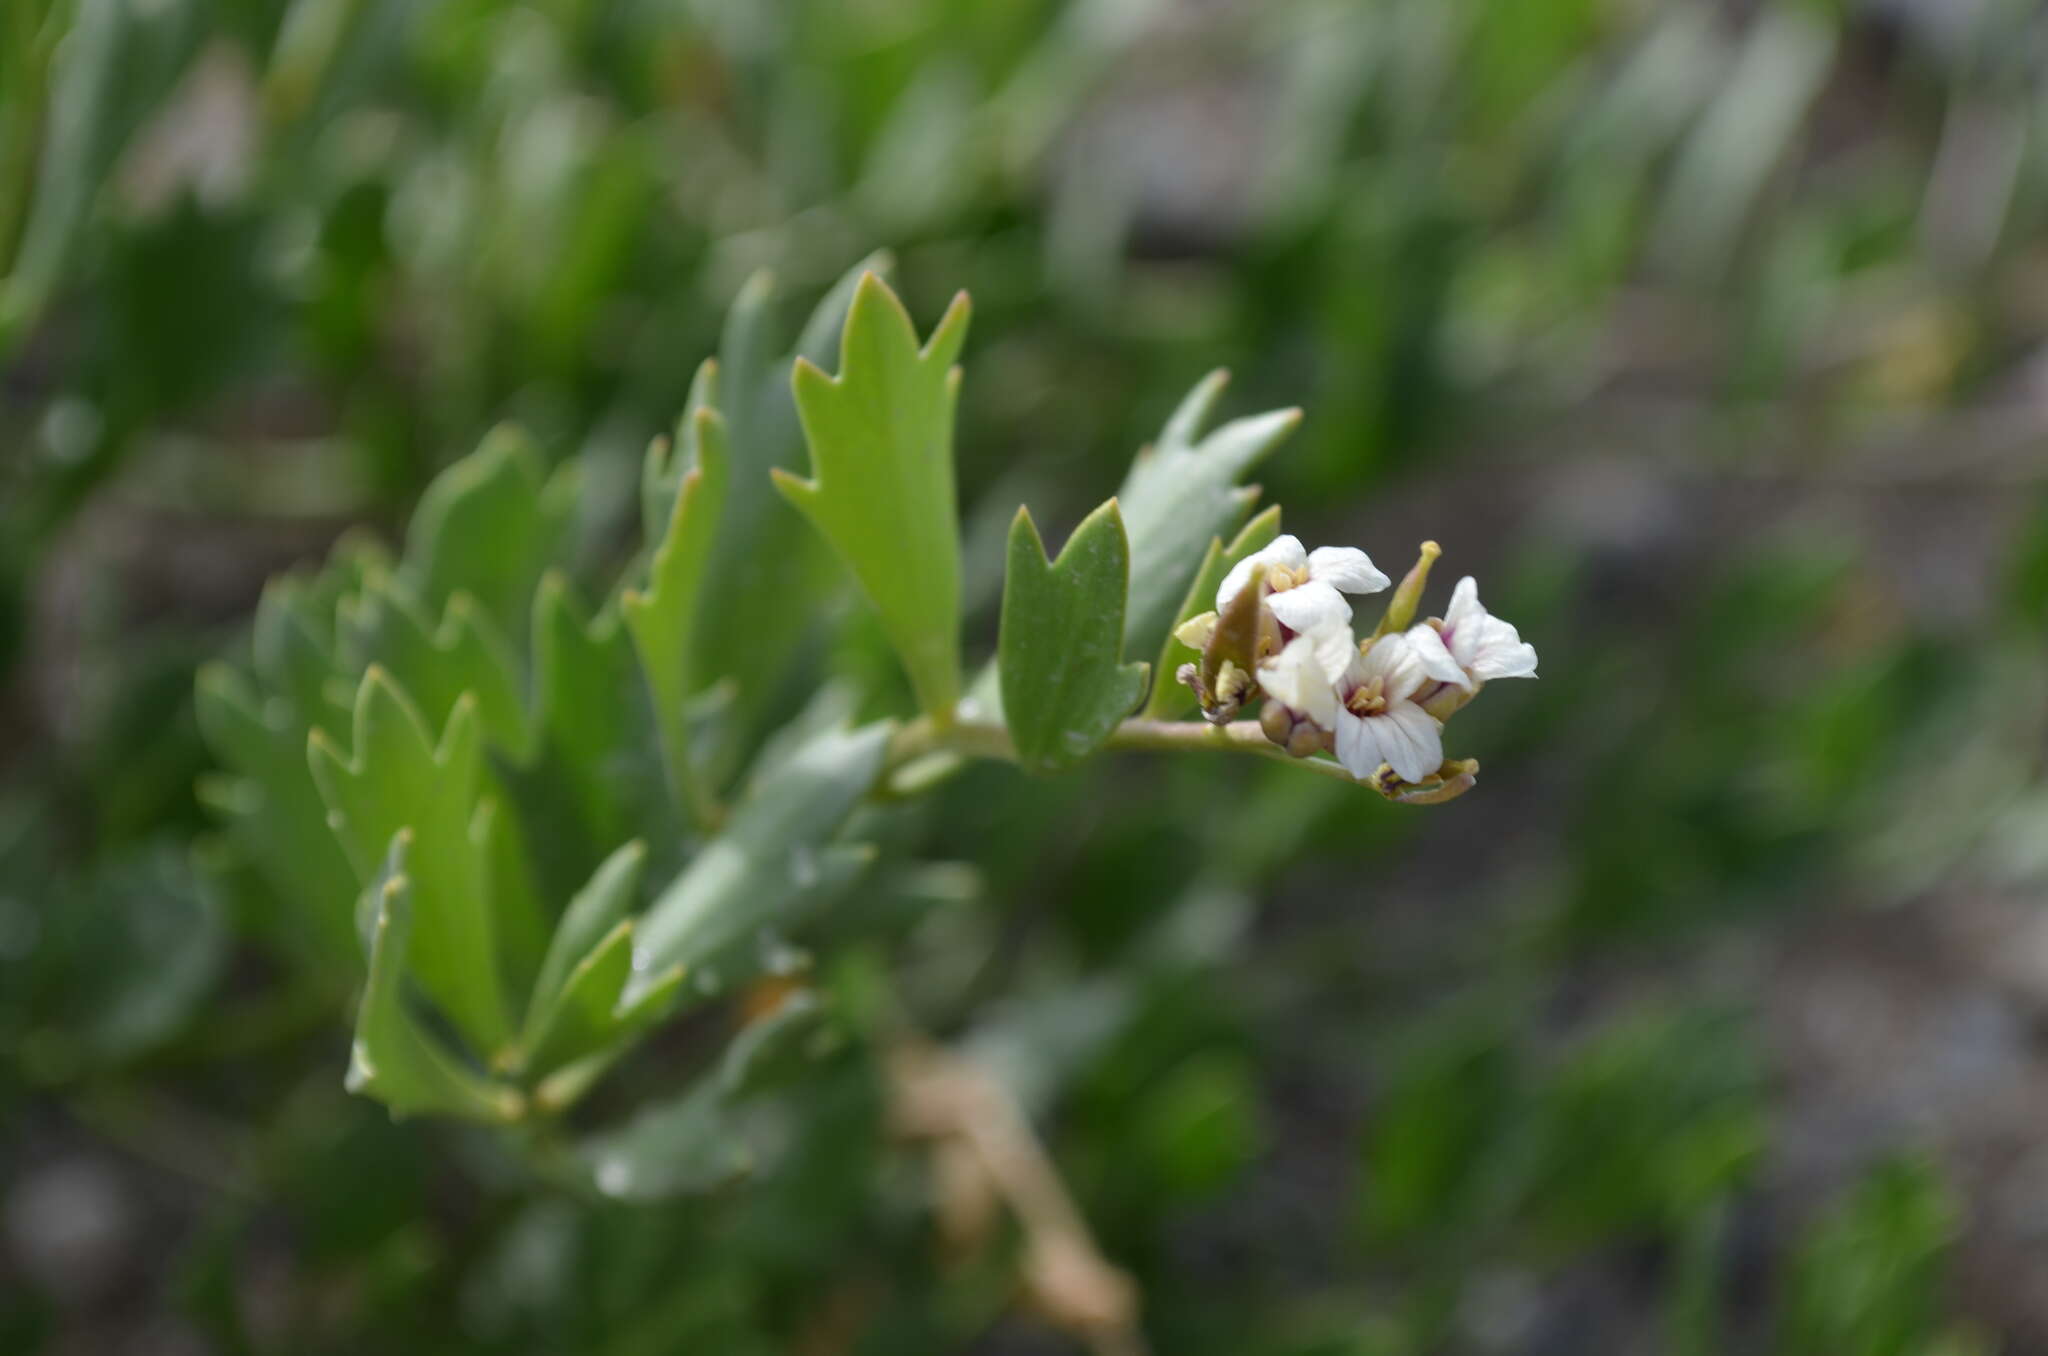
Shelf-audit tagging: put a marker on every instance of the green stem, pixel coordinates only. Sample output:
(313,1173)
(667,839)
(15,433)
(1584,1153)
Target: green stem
(922,739)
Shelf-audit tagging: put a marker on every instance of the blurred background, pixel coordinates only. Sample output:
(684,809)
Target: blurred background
(1709,335)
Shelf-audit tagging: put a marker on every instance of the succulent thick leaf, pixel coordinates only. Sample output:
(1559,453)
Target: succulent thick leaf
(1065,685)
(489,526)
(591,709)
(598,908)
(94,67)
(761,547)
(392,1058)
(517,920)
(672,463)
(662,618)
(1172,700)
(707,1136)
(436,665)
(294,657)
(691,1144)
(881,440)
(1182,493)
(570,1077)
(581,1016)
(394,778)
(274,814)
(771,1048)
(769,869)
(294,639)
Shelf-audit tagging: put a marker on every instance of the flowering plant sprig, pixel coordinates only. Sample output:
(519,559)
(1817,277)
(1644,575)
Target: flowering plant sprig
(1281,635)
(527,833)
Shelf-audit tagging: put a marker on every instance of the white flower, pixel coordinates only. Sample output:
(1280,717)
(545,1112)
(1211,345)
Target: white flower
(1308,586)
(1378,722)
(1472,646)
(1303,676)
(1365,697)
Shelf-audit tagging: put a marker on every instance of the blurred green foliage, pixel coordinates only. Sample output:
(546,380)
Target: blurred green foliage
(1713,324)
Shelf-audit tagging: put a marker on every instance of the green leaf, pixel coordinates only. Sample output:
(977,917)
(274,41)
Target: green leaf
(775,1046)
(436,665)
(580,1018)
(82,105)
(392,1059)
(293,657)
(395,778)
(762,548)
(489,526)
(568,1082)
(663,618)
(517,919)
(768,870)
(1172,700)
(593,716)
(1065,685)
(1872,1273)
(274,813)
(687,1145)
(596,910)
(1181,494)
(881,441)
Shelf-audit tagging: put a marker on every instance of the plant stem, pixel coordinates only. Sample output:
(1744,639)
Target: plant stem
(921,738)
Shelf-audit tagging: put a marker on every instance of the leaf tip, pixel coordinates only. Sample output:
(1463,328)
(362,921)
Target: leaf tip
(809,381)
(795,488)
(755,291)
(950,334)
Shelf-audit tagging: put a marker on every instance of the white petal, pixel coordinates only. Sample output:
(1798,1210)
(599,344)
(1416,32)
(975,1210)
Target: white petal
(1282,550)
(1436,661)
(1358,749)
(1308,606)
(1295,678)
(1464,602)
(1502,653)
(1335,648)
(1195,631)
(1461,621)
(1345,568)
(1393,661)
(1411,740)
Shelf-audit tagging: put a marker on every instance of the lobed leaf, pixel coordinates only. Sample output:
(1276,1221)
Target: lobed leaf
(601,763)
(436,665)
(597,910)
(662,619)
(579,1018)
(394,778)
(489,526)
(273,812)
(881,441)
(686,1145)
(391,1058)
(761,548)
(768,870)
(1060,650)
(1181,494)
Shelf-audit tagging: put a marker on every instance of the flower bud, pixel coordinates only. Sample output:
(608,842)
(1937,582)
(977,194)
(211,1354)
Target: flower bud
(1300,736)
(1448,782)
(1408,595)
(1235,642)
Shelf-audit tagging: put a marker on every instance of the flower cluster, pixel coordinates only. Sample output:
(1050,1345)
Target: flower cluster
(1282,634)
